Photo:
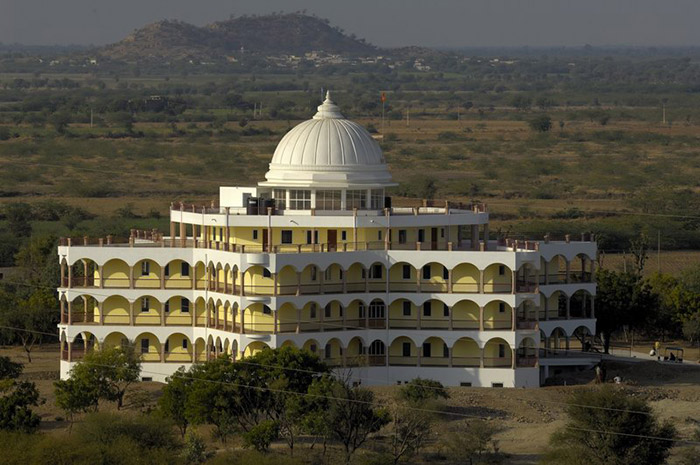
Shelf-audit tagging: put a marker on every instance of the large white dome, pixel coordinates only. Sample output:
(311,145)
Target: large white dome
(328,150)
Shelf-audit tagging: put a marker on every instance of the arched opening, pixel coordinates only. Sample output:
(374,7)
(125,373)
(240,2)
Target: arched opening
(434,315)
(178,274)
(580,269)
(200,311)
(355,281)
(498,354)
(555,270)
(116,274)
(178,311)
(287,281)
(254,347)
(465,315)
(147,311)
(116,310)
(403,314)
(200,350)
(312,346)
(258,281)
(116,339)
(147,274)
(403,352)
(555,305)
(465,278)
(287,318)
(333,314)
(526,355)
(498,279)
(403,278)
(433,277)
(259,319)
(526,315)
(333,279)
(580,305)
(356,311)
(333,353)
(376,277)
(434,352)
(377,353)
(558,342)
(376,315)
(178,349)
(355,352)
(582,339)
(148,346)
(310,317)
(498,315)
(310,280)
(466,353)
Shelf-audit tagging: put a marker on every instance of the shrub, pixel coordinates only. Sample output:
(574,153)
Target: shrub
(260,436)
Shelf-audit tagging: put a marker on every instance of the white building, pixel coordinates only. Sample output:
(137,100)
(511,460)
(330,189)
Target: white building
(317,257)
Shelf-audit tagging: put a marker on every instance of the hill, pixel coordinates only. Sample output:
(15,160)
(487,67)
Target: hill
(291,33)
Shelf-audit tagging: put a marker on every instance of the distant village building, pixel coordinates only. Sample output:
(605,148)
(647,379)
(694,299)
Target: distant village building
(318,257)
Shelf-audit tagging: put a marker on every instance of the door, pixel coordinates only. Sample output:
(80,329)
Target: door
(433,238)
(332,240)
(265,240)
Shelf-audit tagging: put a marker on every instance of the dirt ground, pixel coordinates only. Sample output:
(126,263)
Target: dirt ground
(528,416)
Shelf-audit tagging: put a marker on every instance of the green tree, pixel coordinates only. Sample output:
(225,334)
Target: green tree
(474,442)
(107,373)
(9,369)
(17,399)
(609,426)
(173,402)
(541,123)
(420,390)
(18,215)
(260,436)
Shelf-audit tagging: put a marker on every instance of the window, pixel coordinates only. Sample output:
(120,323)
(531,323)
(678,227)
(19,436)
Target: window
(314,272)
(445,273)
(375,272)
(496,385)
(407,272)
(328,275)
(185,269)
(376,309)
(340,274)
(299,200)
(166,306)
(442,233)
(465,384)
(280,196)
(185,305)
(312,348)
(377,199)
(427,308)
(406,349)
(445,351)
(376,348)
(501,350)
(327,200)
(427,349)
(266,310)
(327,352)
(361,309)
(266,273)
(221,234)
(379,235)
(144,345)
(356,199)
(312,237)
(255,234)
(501,270)
(501,307)
(166,271)
(402,236)
(144,304)
(167,346)
(406,308)
(184,343)
(312,311)
(343,235)
(421,235)
(286,236)
(445,310)
(426,272)
(327,311)
(145,268)
(340,311)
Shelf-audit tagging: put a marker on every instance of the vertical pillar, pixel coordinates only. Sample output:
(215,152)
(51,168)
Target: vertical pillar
(63,311)
(172,234)
(132,313)
(583,268)
(275,323)
(481,358)
(449,282)
(592,271)
(486,236)
(162,276)
(449,355)
(242,321)
(207,310)
(242,283)
(131,277)
(70,277)
(512,358)
(321,277)
(162,313)
(546,308)
(568,307)
(419,353)
(70,312)
(481,281)
(298,329)
(513,281)
(475,237)
(345,282)
(451,323)
(183,234)
(592,306)
(162,353)
(63,273)
(70,347)
(100,308)
(298,282)
(419,272)
(367,279)
(85,272)
(322,318)
(481,318)
(419,317)
(513,314)
(274,284)
(85,309)
(568,271)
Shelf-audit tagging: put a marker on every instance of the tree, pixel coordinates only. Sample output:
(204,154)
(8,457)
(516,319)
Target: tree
(260,436)
(621,299)
(474,442)
(30,317)
(17,399)
(108,373)
(60,122)
(173,402)
(18,215)
(420,390)
(350,415)
(541,123)
(409,430)
(620,429)
(74,396)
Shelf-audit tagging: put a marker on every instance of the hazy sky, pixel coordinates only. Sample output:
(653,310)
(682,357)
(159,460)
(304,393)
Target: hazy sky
(383,22)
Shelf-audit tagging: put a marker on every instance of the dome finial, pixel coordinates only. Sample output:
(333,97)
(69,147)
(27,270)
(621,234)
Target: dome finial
(328,97)
(328,109)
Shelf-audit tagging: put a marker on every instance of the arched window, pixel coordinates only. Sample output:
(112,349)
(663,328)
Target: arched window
(376,309)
